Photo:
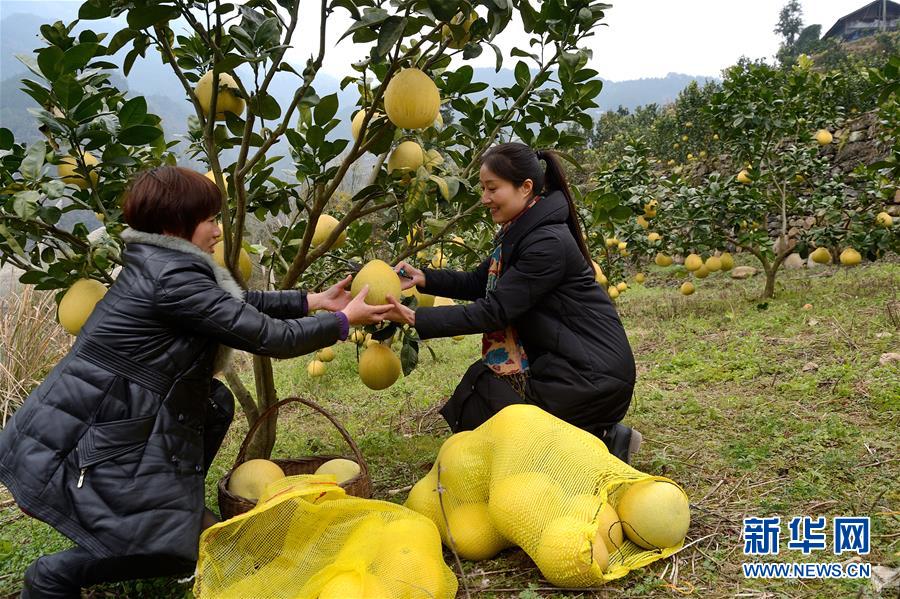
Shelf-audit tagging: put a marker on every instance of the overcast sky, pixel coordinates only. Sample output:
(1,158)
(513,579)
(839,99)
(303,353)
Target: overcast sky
(643,38)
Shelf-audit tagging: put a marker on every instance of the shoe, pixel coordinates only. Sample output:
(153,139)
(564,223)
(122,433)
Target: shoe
(623,442)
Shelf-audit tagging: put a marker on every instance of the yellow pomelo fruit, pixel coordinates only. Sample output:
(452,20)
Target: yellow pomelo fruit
(687,288)
(610,528)
(713,264)
(727,261)
(315,369)
(78,303)
(650,208)
(526,497)
(423,498)
(67,166)
(249,479)
(639,278)
(458,337)
(884,220)
(702,153)
(598,272)
(612,291)
(643,222)
(824,137)
(356,123)
(439,260)
(821,256)
(604,282)
(354,585)
(465,467)
(568,556)
(652,237)
(325,354)
(342,469)
(702,272)
(744,177)
(358,336)
(622,245)
(212,177)
(654,514)
(693,262)
(622,286)
(425,300)
(370,342)
(663,259)
(382,282)
(612,242)
(410,561)
(412,100)
(850,257)
(244,264)
(474,536)
(324,226)
(408,156)
(379,367)
(458,42)
(227,99)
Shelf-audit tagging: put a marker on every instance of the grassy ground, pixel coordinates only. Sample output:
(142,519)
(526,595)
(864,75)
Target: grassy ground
(755,408)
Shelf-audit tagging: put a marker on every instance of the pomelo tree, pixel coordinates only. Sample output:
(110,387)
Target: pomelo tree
(317,227)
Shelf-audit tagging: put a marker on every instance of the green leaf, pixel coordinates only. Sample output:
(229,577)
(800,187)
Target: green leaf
(33,162)
(264,106)
(371,16)
(499,54)
(49,61)
(95,9)
(133,112)
(138,135)
(146,16)
(77,57)
(119,40)
(325,109)
(443,10)
(25,204)
(620,213)
(231,61)
(7,140)
(68,91)
(523,75)
(391,31)
(409,355)
(11,241)
(268,34)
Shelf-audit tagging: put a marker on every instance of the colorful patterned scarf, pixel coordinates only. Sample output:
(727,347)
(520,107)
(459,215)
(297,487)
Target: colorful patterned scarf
(502,351)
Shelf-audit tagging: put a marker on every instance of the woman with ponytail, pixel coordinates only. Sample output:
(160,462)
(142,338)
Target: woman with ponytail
(551,336)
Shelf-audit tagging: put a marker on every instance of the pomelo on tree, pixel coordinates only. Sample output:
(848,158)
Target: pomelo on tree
(412,100)
(227,100)
(78,303)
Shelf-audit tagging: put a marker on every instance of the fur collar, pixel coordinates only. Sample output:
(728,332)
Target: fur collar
(223,277)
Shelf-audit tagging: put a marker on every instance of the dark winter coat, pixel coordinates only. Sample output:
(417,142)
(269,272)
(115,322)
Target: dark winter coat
(581,364)
(109,449)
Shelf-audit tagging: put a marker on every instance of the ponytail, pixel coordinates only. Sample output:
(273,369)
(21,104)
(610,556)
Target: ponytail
(555,180)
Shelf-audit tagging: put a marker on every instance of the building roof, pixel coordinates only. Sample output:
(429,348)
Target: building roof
(870,12)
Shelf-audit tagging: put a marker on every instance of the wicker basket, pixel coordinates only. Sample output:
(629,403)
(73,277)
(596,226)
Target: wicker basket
(231,505)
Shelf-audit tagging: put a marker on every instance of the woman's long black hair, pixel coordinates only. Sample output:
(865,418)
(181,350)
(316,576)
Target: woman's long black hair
(516,162)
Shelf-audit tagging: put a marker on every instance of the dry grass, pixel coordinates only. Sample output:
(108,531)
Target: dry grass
(31,343)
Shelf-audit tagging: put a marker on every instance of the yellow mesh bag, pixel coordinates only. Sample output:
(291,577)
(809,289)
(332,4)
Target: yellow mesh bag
(527,478)
(307,539)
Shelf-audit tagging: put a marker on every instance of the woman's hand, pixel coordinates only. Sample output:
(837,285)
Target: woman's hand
(332,299)
(358,312)
(400,313)
(411,275)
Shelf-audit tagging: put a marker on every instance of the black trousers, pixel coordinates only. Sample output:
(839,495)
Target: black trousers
(62,575)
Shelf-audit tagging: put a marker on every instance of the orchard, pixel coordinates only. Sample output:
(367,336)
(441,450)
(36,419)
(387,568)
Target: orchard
(748,403)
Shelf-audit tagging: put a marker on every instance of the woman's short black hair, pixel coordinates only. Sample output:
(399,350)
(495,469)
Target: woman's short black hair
(170,199)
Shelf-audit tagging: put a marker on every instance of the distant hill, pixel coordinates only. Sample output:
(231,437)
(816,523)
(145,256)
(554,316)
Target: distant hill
(19,34)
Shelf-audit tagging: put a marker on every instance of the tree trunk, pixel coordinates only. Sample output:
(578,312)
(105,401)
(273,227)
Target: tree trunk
(264,440)
(769,292)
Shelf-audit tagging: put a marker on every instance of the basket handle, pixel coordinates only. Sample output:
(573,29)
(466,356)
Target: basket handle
(364,468)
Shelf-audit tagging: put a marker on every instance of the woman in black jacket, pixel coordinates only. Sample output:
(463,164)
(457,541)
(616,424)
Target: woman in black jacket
(551,336)
(113,447)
